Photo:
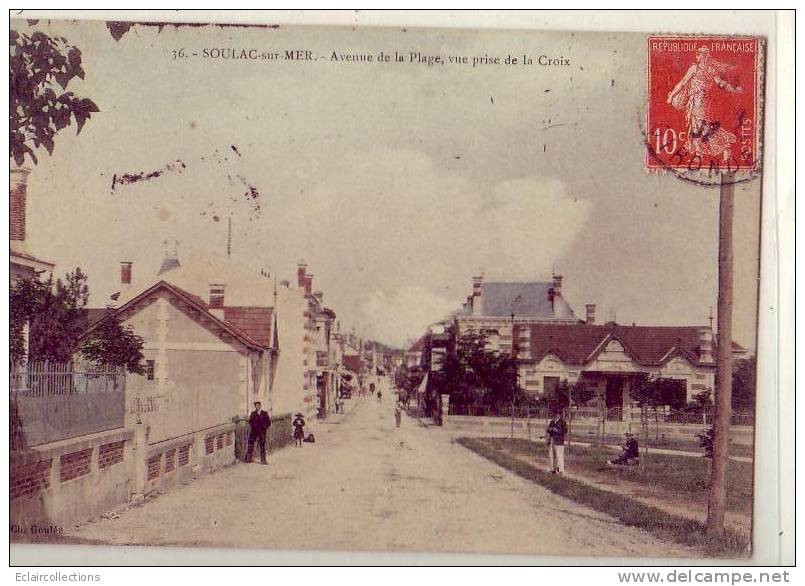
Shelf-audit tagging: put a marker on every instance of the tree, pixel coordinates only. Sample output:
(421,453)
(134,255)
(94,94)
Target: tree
(647,392)
(474,374)
(40,69)
(743,384)
(54,314)
(52,310)
(558,398)
(111,343)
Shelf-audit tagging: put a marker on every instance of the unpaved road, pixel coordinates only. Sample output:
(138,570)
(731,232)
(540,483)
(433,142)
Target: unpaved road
(366,485)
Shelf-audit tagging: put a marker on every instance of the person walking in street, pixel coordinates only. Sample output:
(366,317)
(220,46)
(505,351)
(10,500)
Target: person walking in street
(259,422)
(299,429)
(398,414)
(379,397)
(557,428)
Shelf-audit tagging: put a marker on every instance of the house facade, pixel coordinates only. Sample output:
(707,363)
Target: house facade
(534,323)
(504,312)
(202,373)
(23,264)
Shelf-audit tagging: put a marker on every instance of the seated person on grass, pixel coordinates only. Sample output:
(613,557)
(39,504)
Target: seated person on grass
(630,455)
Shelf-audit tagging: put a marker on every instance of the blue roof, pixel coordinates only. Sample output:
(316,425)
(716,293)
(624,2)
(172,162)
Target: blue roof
(524,300)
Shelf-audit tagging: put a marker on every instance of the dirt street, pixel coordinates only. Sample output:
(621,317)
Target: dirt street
(366,485)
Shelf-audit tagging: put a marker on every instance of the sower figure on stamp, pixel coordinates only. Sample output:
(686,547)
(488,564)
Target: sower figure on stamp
(695,95)
(557,428)
(259,422)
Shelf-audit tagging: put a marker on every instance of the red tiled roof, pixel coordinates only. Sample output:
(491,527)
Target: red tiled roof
(576,343)
(191,299)
(92,315)
(353,363)
(255,322)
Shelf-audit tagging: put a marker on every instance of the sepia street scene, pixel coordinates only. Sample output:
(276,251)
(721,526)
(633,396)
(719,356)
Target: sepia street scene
(383,289)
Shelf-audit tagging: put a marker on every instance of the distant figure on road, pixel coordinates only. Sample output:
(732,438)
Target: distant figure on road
(299,429)
(630,455)
(398,414)
(379,397)
(259,422)
(557,428)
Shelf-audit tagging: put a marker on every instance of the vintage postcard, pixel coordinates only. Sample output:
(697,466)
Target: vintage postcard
(385,289)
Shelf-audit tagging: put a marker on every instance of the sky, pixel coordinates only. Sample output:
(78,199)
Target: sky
(395,182)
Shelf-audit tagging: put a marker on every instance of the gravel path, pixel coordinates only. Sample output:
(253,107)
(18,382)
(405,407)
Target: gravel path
(366,485)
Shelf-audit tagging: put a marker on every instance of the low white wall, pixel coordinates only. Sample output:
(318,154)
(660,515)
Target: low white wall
(583,428)
(61,483)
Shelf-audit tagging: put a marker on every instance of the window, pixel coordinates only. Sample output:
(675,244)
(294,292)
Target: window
(550,383)
(149,370)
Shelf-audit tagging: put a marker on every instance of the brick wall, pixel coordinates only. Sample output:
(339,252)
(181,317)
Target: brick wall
(110,454)
(184,455)
(28,480)
(209,444)
(152,466)
(219,442)
(170,460)
(60,483)
(75,464)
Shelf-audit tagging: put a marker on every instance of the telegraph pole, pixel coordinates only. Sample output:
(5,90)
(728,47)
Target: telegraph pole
(723,400)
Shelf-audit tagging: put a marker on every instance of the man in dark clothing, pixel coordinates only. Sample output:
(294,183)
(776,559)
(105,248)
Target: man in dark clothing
(557,428)
(630,454)
(259,422)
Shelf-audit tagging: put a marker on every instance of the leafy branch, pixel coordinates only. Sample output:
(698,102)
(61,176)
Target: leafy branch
(40,69)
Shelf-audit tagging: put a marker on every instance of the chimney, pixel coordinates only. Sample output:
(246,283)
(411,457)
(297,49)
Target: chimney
(17,194)
(477,298)
(590,313)
(216,300)
(285,283)
(125,272)
(301,269)
(309,284)
(706,345)
(557,285)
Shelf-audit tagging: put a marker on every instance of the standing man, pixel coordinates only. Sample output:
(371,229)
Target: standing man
(557,428)
(259,422)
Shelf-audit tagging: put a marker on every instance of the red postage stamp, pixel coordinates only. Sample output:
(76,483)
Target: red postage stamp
(703,103)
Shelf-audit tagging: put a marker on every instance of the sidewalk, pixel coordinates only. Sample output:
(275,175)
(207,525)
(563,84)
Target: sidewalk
(369,485)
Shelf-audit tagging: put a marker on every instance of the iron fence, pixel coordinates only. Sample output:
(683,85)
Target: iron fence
(52,401)
(612,414)
(280,434)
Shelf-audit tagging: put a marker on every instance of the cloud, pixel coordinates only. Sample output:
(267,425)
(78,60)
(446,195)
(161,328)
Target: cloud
(394,236)
(397,317)
(534,223)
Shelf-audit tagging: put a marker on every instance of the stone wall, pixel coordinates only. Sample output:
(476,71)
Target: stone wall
(64,482)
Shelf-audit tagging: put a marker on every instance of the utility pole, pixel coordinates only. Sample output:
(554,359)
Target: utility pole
(723,400)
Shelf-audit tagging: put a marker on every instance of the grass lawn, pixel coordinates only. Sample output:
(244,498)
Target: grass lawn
(682,475)
(627,510)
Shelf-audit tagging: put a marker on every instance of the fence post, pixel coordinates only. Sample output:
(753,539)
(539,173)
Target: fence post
(139,455)
(445,408)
